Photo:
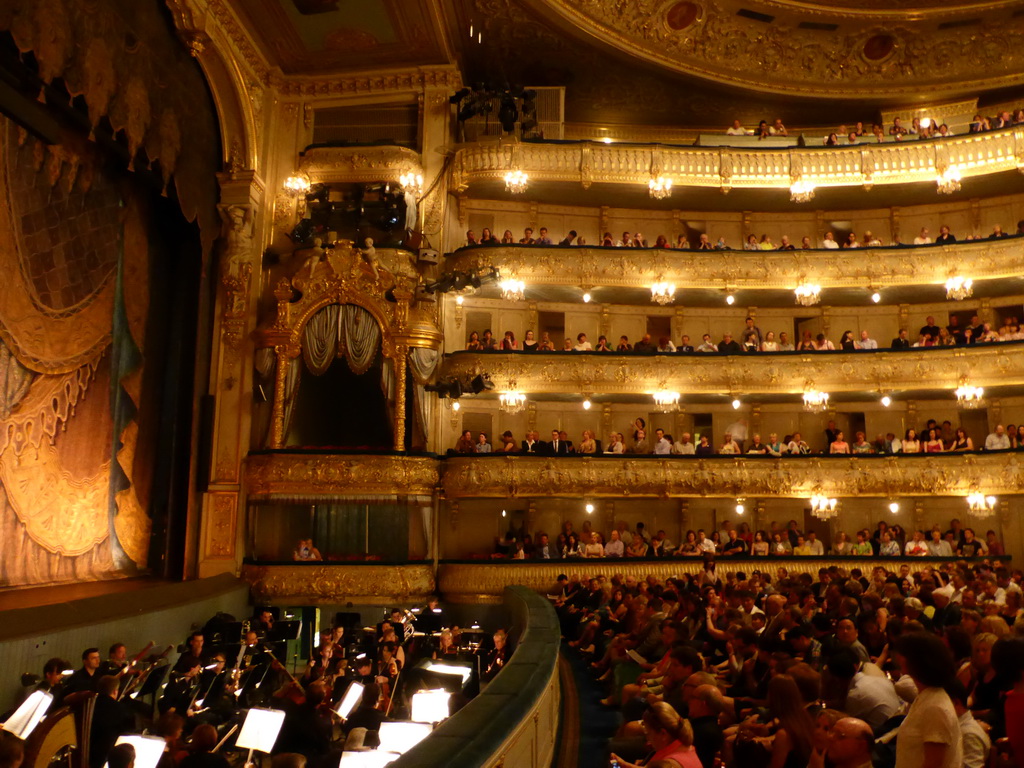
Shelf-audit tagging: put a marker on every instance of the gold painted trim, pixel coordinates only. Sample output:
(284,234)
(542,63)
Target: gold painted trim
(726,168)
(272,475)
(749,270)
(679,477)
(339,584)
(567,373)
(327,165)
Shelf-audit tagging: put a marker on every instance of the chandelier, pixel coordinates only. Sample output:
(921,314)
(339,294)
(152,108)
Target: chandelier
(516,182)
(666,400)
(412,182)
(512,290)
(815,401)
(968,396)
(801,191)
(659,187)
(663,293)
(948,180)
(981,505)
(959,288)
(297,184)
(823,507)
(808,294)
(512,402)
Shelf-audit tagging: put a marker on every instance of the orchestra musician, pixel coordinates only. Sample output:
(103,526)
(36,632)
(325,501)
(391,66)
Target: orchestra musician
(53,681)
(264,622)
(109,719)
(390,636)
(86,678)
(323,666)
(117,660)
(201,745)
(431,618)
(214,702)
(184,677)
(446,647)
(367,716)
(307,727)
(498,657)
(12,750)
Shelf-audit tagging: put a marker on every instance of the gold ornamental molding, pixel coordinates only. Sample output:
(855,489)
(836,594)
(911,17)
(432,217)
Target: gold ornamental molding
(726,168)
(303,475)
(749,270)
(472,582)
(340,584)
(649,477)
(1000,364)
(367,83)
(358,164)
(885,57)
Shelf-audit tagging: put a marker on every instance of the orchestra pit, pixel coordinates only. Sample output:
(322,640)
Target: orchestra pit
(523,383)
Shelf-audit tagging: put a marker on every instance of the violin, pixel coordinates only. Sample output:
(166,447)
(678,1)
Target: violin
(292,690)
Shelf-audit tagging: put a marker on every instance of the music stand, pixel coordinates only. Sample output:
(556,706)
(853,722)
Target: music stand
(27,716)
(259,731)
(148,749)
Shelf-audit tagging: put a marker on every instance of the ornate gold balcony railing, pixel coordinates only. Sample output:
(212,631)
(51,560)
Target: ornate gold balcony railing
(359,164)
(314,584)
(990,365)
(724,168)
(315,474)
(790,477)
(748,270)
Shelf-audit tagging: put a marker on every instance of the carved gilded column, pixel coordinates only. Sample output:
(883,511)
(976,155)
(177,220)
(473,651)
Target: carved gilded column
(531,415)
(985,312)
(904,316)
(401,353)
(826,321)
(606,423)
(531,516)
(604,327)
(894,224)
(532,318)
(684,519)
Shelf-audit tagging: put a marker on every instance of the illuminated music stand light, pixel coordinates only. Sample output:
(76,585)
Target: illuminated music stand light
(259,731)
(148,749)
(449,669)
(430,706)
(400,736)
(27,716)
(351,699)
(370,759)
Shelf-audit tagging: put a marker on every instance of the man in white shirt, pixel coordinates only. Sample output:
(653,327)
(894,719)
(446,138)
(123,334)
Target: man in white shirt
(870,241)
(870,698)
(998,440)
(662,447)
(976,743)
(704,544)
(777,128)
(924,238)
(866,342)
(829,242)
(736,130)
(685,447)
(582,345)
(817,548)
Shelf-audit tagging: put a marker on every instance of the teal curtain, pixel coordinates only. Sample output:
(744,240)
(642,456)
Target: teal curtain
(368,528)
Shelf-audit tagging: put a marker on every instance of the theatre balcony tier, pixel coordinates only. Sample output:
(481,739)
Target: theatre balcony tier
(320,474)
(725,168)
(747,270)
(627,476)
(929,368)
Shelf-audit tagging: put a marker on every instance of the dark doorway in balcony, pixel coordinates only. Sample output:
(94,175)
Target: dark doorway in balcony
(659,326)
(552,323)
(702,426)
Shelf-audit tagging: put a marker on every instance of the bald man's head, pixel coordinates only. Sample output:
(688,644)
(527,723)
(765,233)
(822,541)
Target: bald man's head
(850,743)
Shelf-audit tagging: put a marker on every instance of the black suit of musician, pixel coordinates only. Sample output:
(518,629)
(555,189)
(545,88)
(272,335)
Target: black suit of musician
(497,659)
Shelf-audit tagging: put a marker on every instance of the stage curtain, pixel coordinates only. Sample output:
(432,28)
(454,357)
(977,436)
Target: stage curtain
(320,339)
(360,336)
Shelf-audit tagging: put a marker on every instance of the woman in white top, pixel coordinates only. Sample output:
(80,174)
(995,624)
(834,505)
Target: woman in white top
(769,344)
(910,443)
(582,345)
(930,735)
(595,548)
(615,444)
(798,446)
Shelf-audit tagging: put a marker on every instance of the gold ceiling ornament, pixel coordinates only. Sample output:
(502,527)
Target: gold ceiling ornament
(795,478)
(591,162)
(988,365)
(882,59)
(338,584)
(745,270)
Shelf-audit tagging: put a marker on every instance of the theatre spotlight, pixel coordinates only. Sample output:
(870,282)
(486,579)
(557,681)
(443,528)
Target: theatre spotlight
(481,383)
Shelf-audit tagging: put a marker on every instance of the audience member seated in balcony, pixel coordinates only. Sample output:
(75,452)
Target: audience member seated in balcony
(532,443)
(474,341)
(665,344)
(997,232)
(751,244)
(662,242)
(829,242)
(945,236)
(736,129)
(766,243)
(558,446)
(831,140)
(704,243)
(847,341)
(704,447)
(660,546)
(640,443)
(487,342)
(806,343)
(839,445)
(486,238)
(911,443)
(757,447)
(465,443)
(684,346)
(997,440)
(471,238)
(902,341)
(645,345)
(527,238)
(706,344)
(917,546)
(866,342)
(797,446)
(821,344)
(729,446)
(932,443)
(777,128)
(923,238)
(784,343)
(508,238)
(306,551)
(887,547)
(897,129)
(851,241)
(624,345)
(860,445)
(615,444)
(482,446)
(545,344)
(569,239)
(625,242)
(529,342)
(509,343)
(763,130)
(729,345)
(508,443)
(582,345)
(685,446)
(568,346)
(785,245)
(750,338)
(542,237)
(588,444)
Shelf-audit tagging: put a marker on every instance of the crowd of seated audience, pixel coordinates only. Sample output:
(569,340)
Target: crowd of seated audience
(706,243)
(742,541)
(751,339)
(932,438)
(919,128)
(852,669)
